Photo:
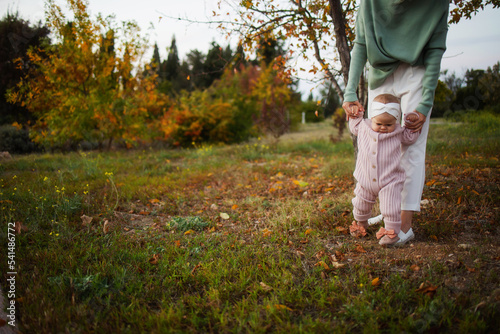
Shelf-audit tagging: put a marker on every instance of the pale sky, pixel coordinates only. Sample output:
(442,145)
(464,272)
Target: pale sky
(472,43)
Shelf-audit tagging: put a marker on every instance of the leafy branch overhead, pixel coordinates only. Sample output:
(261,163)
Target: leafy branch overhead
(321,32)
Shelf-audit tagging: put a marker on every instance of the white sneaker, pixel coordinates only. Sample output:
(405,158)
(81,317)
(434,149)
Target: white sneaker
(405,237)
(375,220)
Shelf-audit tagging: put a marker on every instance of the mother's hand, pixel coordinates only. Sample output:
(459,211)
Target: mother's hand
(417,125)
(353,109)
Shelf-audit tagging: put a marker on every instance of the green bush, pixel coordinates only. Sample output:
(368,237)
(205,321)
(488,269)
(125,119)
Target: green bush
(15,140)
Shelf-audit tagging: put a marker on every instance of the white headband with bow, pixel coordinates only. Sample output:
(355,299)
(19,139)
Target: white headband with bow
(393,109)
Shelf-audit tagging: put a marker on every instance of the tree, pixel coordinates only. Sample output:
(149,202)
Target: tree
(85,88)
(310,26)
(16,37)
(466,8)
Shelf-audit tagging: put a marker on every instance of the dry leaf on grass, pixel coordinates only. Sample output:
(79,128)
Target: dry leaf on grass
(427,288)
(360,249)
(19,227)
(322,264)
(154,259)
(106,228)
(279,307)
(265,287)
(376,281)
(337,265)
(342,229)
(86,220)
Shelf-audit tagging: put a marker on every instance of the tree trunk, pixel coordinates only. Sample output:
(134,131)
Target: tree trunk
(341,42)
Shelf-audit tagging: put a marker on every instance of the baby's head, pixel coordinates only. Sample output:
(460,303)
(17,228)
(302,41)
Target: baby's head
(385,113)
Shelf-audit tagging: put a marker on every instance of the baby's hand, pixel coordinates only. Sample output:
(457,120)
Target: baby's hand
(353,109)
(411,118)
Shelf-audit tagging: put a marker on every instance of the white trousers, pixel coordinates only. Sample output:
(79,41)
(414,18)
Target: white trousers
(406,84)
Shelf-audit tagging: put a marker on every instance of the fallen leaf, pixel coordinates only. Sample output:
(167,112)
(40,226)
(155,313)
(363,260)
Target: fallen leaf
(434,237)
(144,213)
(177,243)
(279,307)
(376,281)
(337,265)
(188,232)
(471,270)
(322,264)
(308,231)
(342,229)
(86,220)
(212,230)
(427,288)
(194,269)
(299,253)
(224,215)
(265,287)
(154,200)
(106,228)
(234,207)
(266,232)
(19,227)
(414,267)
(300,183)
(431,182)
(154,259)
(360,249)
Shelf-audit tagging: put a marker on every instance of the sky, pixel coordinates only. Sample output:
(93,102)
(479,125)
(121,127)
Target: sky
(472,43)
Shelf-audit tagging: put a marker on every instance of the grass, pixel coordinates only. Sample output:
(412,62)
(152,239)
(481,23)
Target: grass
(250,238)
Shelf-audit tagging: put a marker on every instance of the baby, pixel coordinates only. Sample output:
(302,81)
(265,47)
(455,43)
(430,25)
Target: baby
(378,170)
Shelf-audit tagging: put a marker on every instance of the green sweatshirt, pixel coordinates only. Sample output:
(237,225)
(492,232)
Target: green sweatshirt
(389,32)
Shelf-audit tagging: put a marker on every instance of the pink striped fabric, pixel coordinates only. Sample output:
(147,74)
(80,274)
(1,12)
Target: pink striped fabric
(378,169)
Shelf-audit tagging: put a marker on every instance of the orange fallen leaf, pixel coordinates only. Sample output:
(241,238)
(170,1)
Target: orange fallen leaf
(471,270)
(188,232)
(322,264)
(431,182)
(300,183)
(308,231)
(434,237)
(194,269)
(266,232)
(414,267)
(376,281)
(342,229)
(177,243)
(279,307)
(427,288)
(154,259)
(360,249)
(234,207)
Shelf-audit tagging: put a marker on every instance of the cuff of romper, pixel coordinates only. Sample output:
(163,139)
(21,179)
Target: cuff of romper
(362,218)
(396,226)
